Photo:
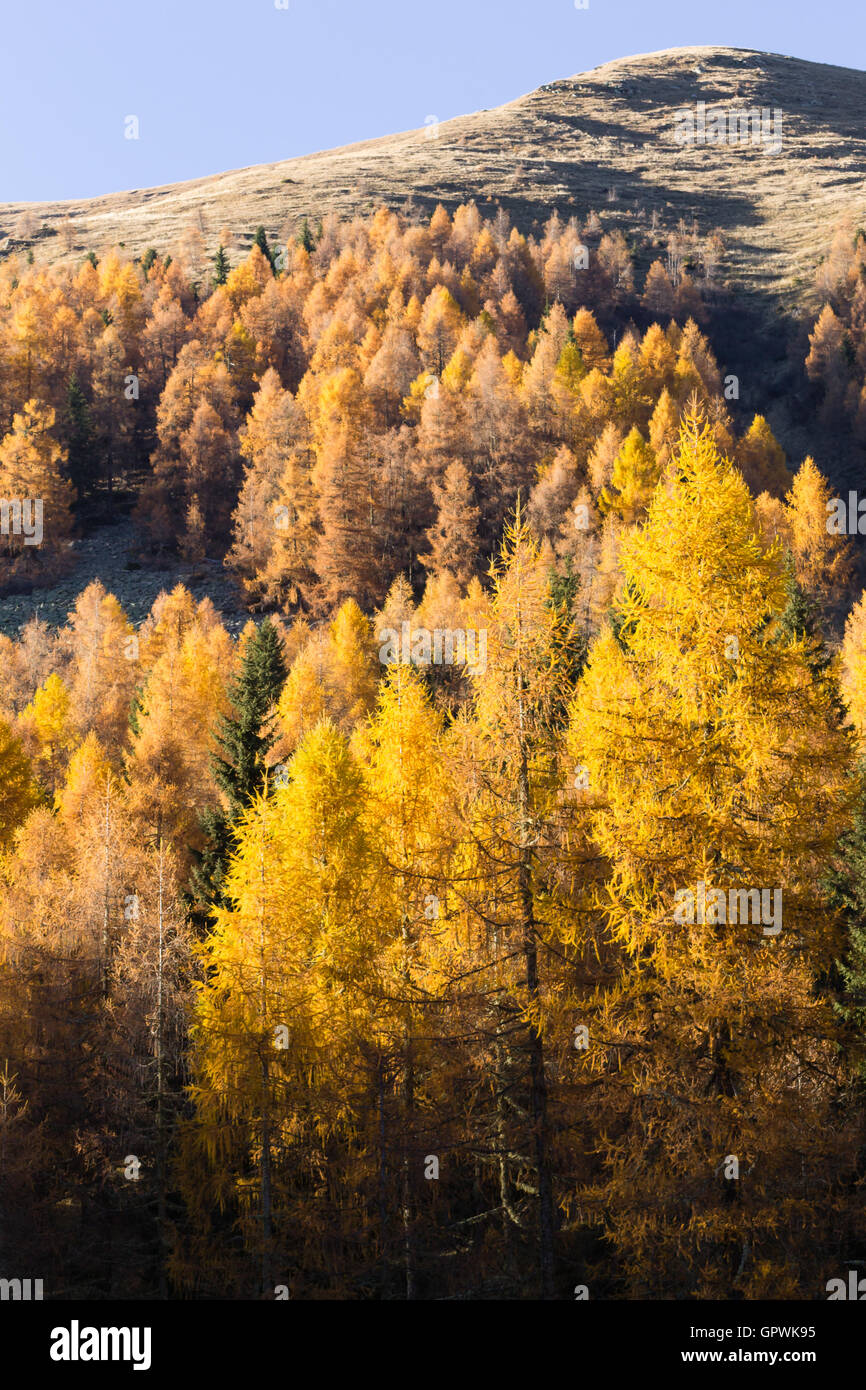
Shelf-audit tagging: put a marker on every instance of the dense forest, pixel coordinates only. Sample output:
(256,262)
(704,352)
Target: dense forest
(489,919)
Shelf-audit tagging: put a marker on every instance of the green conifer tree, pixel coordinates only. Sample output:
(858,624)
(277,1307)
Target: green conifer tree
(245,737)
(82,466)
(261,241)
(220,266)
(305,237)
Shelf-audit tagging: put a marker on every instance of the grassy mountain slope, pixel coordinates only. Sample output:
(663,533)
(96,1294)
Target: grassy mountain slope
(603,139)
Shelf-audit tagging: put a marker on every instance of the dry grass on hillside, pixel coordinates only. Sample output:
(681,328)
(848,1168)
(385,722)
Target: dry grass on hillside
(565,146)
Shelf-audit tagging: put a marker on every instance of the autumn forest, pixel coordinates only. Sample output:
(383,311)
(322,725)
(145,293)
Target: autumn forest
(486,917)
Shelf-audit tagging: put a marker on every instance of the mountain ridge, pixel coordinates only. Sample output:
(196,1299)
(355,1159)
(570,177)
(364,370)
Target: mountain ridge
(602,139)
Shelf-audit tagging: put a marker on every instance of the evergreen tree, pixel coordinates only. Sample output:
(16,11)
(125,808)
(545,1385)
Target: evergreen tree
(846,886)
(261,241)
(82,465)
(305,237)
(801,622)
(220,266)
(245,737)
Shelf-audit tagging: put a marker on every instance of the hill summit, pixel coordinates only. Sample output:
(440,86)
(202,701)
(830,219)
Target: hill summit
(606,138)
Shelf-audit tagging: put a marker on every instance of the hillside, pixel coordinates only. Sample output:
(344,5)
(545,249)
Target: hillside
(605,142)
(433,718)
(603,139)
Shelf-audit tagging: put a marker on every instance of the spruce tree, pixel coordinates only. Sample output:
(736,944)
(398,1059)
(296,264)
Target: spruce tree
(261,241)
(846,886)
(247,735)
(245,738)
(221,266)
(305,237)
(81,466)
(801,621)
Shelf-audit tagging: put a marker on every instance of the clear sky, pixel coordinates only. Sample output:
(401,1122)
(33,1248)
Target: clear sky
(219,84)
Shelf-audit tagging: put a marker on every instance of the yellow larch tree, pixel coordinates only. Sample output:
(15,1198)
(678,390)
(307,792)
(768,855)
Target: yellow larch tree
(18,791)
(714,749)
(515,926)
(281,1019)
(633,479)
(32,483)
(823,557)
(48,722)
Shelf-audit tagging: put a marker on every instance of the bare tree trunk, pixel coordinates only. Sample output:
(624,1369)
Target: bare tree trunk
(106,894)
(501,1123)
(161,1214)
(267,1280)
(408,1129)
(537,1079)
(383,1178)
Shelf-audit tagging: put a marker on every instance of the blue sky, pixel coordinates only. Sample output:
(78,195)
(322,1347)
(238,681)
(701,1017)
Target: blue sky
(218,84)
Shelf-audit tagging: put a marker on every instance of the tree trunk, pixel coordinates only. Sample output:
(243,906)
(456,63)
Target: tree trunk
(537,1080)
(267,1282)
(408,1130)
(383,1178)
(161,1215)
(106,894)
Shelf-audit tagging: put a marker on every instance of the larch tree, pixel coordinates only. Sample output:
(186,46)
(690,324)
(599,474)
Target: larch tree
(408,843)
(273,523)
(659,295)
(590,341)
(553,495)
(454,537)
(720,766)
(279,1026)
(825,361)
(105,666)
(47,721)
(439,329)
(35,493)
(634,477)
(664,428)
(168,765)
(823,555)
(512,922)
(854,665)
(762,460)
(18,792)
(347,558)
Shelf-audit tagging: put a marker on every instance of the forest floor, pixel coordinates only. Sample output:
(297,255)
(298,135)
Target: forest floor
(107,554)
